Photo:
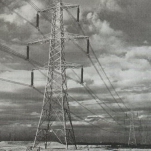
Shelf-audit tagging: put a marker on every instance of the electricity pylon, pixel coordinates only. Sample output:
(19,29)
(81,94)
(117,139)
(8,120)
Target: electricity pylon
(55,116)
(132,137)
(143,133)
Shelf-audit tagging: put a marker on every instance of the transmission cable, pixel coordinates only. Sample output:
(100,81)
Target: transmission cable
(99,63)
(14,82)
(94,96)
(94,124)
(87,108)
(81,118)
(38,9)
(102,78)
(18,83)
(22,17)
(92,93)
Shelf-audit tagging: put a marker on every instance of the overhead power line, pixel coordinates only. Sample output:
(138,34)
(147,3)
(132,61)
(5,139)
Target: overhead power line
(102,79)
(99,127)
(20,16)
(99,64)
(23,84)
(96,97)
(14,82)
(87,108)
(38,9)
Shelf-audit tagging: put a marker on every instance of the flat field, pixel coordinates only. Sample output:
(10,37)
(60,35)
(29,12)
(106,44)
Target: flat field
(22,146)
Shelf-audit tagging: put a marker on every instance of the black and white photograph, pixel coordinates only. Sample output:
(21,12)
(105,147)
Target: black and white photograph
(75,75)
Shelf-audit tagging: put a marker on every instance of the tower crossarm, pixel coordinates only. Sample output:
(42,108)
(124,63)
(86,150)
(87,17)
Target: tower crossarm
(72,65)
(68,6)
(72,36)
(66,65)
(67,38)
(64,6)
(39,41)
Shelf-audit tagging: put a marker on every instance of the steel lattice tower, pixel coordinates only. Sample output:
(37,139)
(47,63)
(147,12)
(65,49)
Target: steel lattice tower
(55,111)
(132,138)
(144,134)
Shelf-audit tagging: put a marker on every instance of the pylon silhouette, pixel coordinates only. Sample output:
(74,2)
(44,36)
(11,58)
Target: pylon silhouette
(132,137)
(144,134)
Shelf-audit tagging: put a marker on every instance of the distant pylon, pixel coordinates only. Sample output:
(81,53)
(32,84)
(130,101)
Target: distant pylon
(11,137)
(55,111)
(132,137)
(143,134)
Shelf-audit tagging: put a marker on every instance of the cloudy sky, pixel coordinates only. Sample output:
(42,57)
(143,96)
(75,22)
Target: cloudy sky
(120,34)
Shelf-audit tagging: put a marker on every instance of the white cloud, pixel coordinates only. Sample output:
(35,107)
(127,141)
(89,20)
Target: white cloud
(35,114)
(75,123)
(7,103)
(94,117)
(74,104)
(25,10)
(9,17)
(21,125)
(142,52)
(20,77)
(110,5)
(104,38)
(142,116)
(80,123)
(140,98)
(103,27)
